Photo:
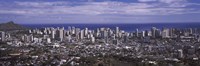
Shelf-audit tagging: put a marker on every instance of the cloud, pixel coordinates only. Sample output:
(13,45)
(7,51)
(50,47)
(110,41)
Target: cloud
(170,7)
(164,1)
(173,1)
(42,4)
(91,11)
(147,0)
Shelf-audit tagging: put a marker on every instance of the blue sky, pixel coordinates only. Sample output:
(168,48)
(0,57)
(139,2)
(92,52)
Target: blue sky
(99,11)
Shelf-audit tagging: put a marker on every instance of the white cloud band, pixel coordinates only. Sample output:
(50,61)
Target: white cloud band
(100,8)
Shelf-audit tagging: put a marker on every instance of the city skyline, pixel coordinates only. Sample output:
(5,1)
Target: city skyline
(99,11)
(73,46)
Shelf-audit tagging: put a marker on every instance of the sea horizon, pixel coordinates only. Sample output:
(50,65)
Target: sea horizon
(114,23)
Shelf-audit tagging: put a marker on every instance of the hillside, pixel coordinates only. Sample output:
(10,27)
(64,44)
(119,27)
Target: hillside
(11,26)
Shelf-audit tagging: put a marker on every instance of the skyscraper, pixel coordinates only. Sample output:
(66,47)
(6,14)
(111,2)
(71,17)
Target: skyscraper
(153,32)
(70,30)
(81,34)
(92,38)
(85,32)
(117,31)
(165,33)
(53,32)
(137,33)
(3,36)
(61,34)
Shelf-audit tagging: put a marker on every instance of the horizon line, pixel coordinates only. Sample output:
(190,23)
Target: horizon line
(107,23)
(115,23)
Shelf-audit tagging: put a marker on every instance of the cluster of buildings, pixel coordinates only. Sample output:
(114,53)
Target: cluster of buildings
(107,35)
(69,46)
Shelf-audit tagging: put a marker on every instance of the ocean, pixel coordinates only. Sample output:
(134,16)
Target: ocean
(126,27)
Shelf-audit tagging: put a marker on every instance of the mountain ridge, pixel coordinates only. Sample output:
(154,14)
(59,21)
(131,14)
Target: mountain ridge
(11,26)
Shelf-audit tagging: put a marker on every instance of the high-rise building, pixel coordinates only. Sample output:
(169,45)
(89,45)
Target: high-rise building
(171,32)
(146,33)
(137,33)
(110,32)
(117,31)
(81,34)
(105,34)
(45,31)
(143,34)
(86,32)
(158,33)
(69,29)
(125,37)
(153,32)
(61,34)
(53,32)
(73,30)
(97,33)
(69,38)
(3,36)
(165,33)
(92,38)
(77,31)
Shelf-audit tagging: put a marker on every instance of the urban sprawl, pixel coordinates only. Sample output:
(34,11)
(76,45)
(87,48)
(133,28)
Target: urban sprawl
(101,47)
